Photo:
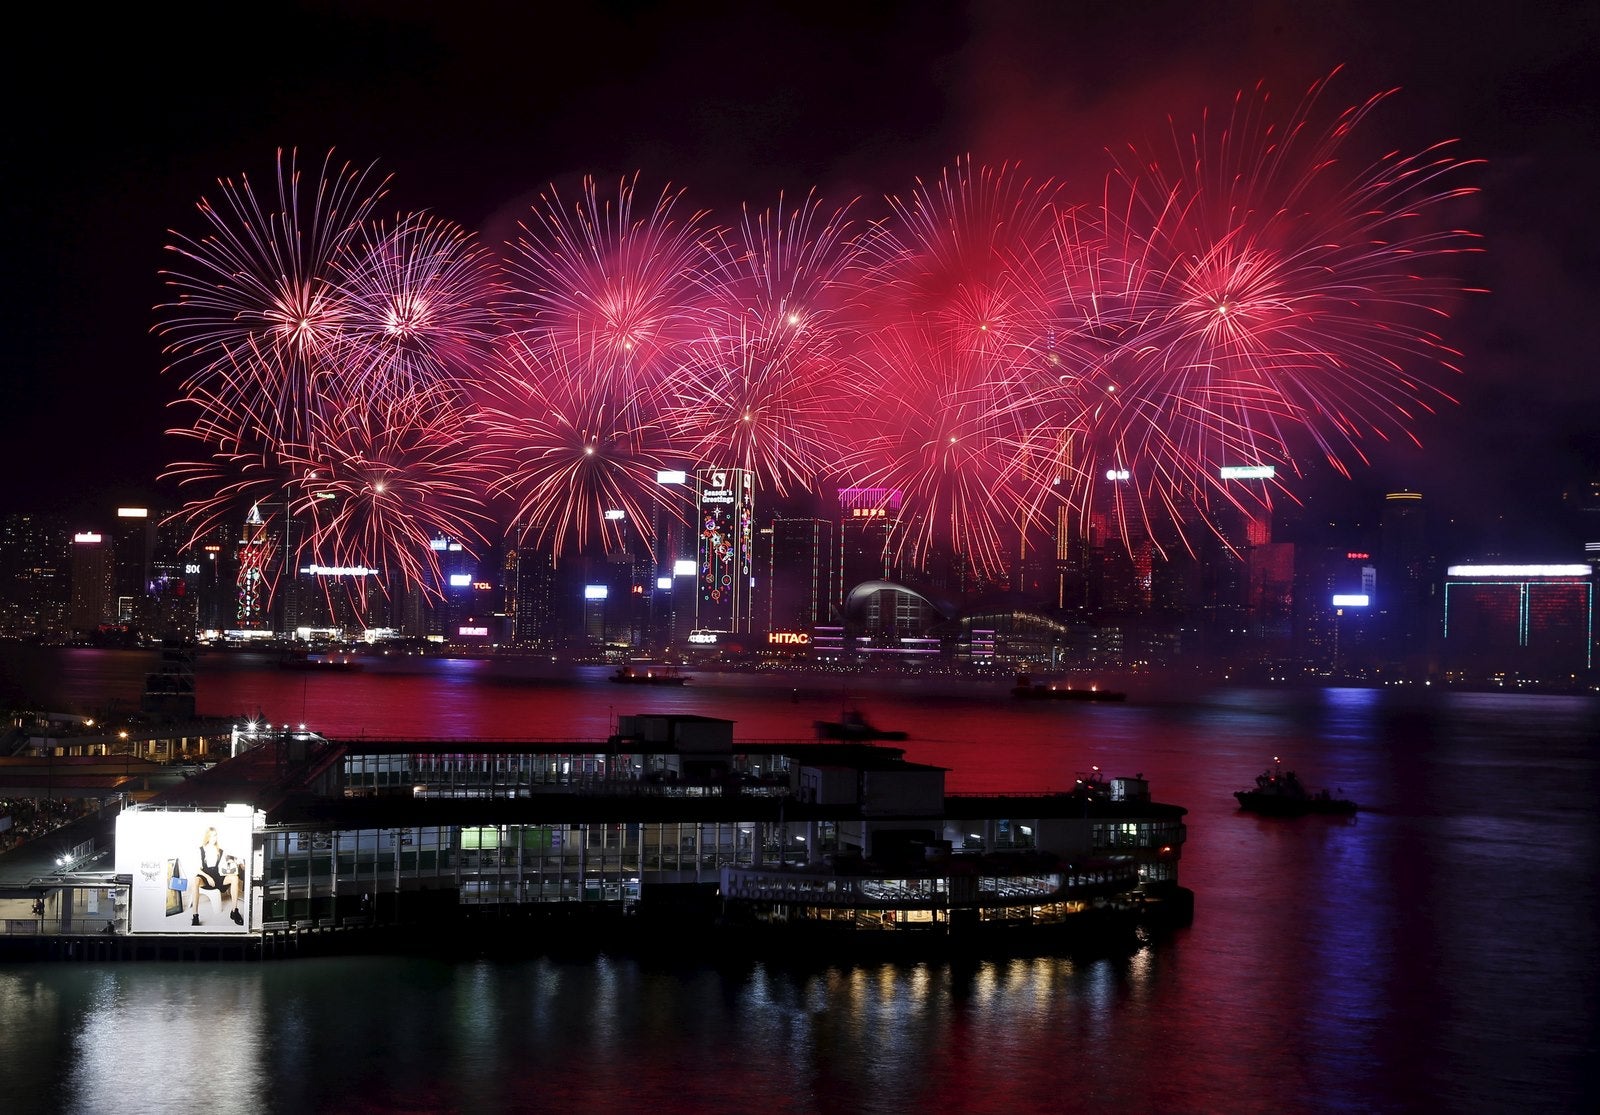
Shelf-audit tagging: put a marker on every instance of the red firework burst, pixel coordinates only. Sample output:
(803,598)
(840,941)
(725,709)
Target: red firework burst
(614,288)
(574,449)
(383,478)
(758,389)
(969,253)
(935,428)
(1261,294)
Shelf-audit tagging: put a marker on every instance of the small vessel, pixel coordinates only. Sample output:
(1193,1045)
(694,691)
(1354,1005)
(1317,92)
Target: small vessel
(649,675)
(854,726)
(330,663)
(1029,690)
(1280,793)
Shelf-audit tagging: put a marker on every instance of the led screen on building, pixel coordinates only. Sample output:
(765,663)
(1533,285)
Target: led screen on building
(727,513)
(191,870)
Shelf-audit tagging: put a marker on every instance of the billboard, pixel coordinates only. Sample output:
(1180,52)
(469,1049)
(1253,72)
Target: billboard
(191,870)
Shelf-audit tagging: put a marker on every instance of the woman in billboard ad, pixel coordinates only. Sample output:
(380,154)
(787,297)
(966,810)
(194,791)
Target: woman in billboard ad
(190,870)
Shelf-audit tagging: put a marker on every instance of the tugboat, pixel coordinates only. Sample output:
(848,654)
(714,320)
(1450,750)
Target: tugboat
(1280,793)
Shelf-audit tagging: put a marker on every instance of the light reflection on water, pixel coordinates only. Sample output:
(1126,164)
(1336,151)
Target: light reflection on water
(170,1044)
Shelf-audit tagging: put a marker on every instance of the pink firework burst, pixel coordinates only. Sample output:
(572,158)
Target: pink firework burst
(417,303)
(758,389)
(611,285)
(579,464)
(969,253)
(383,478)
(257,310)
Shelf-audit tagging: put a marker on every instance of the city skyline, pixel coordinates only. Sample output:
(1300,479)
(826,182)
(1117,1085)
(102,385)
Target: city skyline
(1522,431)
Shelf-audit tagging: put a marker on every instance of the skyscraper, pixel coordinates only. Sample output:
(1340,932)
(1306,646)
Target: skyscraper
(132,542)
(257,568)
(799,575)
(1404,597)
(530,588)
(725,498)
(867,521)
(93,583)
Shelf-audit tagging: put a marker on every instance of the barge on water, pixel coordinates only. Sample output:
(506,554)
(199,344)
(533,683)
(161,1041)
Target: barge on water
(666,830)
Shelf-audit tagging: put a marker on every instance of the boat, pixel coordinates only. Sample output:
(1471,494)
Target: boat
(649,675)
(1280,793)
(854,726)
(1029,690)
(301,660)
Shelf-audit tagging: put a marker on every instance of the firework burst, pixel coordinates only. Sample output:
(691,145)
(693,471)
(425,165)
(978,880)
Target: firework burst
(611,286)
(575,452)
(382,479)
(931,429)
(257,311)
(758,390)
(417,307)
(969,253)
(1262,294)
(985,349)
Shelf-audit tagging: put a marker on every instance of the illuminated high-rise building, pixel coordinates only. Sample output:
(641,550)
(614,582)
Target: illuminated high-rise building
(257,570)
(1519,623)
(94,599)
(35,578)
(725,501)
(798,575)
(530,588)
(867,521)
(1403,603)
(132,542)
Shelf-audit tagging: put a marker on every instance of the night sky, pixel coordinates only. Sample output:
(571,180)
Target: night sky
(120,122)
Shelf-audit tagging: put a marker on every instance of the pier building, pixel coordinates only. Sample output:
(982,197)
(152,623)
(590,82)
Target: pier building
(668,821)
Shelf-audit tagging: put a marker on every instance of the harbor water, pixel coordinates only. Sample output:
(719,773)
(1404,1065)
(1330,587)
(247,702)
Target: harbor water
(1437,953)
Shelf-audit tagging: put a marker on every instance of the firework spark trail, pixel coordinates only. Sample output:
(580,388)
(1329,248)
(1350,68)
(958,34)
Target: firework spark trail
(758,390)
(572,448)
(418,301)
